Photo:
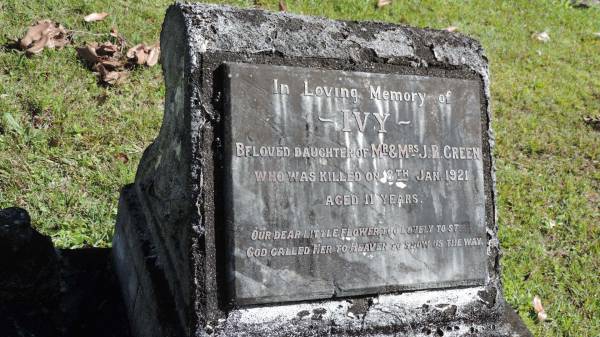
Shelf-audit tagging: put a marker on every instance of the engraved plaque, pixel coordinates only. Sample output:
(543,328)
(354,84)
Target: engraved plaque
(350,183)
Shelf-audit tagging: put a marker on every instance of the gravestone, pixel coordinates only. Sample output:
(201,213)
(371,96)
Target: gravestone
(314,178)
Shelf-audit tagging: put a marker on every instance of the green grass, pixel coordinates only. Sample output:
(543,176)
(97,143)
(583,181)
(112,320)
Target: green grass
(68,176)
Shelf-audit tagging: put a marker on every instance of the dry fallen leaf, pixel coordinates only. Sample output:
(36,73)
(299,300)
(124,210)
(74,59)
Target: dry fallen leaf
(106,60)
(452,29)
(54,42)
(138,54)
(88,53)
(542,36)
(594,122)
(35,32)
(122,157)
(585,3)
(111,63)
(539,309)
(111,77)
(107,49)
(282,6)
(381,3)
(153,56)
(141,54)
(131,52)
(95,17)
(38,45)
(44,34)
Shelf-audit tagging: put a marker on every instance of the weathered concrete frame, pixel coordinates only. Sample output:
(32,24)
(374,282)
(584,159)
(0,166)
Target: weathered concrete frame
(175,203)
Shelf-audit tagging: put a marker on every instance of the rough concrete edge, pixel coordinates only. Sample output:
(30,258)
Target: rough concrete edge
(197,123)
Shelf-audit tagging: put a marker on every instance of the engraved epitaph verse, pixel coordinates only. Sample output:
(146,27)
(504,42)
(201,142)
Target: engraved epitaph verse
(351,183)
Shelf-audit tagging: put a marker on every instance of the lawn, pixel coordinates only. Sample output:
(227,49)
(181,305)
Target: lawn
(67,144)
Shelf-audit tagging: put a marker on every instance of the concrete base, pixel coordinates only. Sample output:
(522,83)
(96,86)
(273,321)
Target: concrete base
(147,298)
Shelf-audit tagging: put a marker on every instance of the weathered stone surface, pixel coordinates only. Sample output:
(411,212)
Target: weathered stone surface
(179,205)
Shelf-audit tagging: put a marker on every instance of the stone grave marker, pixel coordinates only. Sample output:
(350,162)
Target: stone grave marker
(314,178)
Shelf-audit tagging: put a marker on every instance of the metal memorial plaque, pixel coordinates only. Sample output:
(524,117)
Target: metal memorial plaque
(350,183)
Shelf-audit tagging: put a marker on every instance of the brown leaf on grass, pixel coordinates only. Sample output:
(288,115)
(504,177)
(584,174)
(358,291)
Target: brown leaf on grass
(132,51)
(383,3)
(111,77)
(38,46)
(95,17)
(153,56)
(452,29)
(541,36)
(138,54)
(111,63)
(44,34)
(585,3)
(282,6)
(60,42)
(34,33)
(107,49)
(122,157)
(106,60)
(539,309)
(105,52)
(88,53)
(141,54)
(594,122)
